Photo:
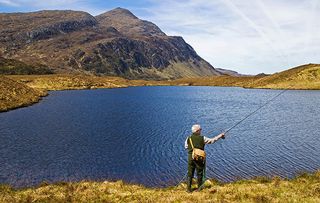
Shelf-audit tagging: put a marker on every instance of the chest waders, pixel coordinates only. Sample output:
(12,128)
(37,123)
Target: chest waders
(195,142)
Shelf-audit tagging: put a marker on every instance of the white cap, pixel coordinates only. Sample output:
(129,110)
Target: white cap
(195,128)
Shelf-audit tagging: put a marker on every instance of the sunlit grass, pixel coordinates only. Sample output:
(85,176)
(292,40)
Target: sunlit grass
(304,188)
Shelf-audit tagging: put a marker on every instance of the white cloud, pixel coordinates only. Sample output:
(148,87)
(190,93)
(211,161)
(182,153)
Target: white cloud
(247,36)
(8,3)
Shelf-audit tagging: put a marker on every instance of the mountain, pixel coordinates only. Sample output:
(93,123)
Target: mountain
(229,72)
(115,43)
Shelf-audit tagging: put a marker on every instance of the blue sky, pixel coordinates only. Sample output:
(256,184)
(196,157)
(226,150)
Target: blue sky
(248,36)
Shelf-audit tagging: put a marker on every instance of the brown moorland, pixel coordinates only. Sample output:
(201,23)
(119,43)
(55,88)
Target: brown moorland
(14,94)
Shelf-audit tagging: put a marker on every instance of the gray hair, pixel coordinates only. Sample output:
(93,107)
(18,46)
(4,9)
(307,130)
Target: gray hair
(195,128)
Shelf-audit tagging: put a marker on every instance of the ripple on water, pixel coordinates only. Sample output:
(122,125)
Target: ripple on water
(137,134)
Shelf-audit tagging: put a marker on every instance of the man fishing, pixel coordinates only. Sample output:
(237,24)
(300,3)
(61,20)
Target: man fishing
(196,154)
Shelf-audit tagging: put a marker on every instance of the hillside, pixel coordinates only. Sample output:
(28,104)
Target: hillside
(15,67)
(115,43)
(301,77)
(305,188)
(14,94)
(305,77)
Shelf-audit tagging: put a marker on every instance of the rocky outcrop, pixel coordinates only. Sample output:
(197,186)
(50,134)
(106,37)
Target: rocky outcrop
(45,32)
(113,43)
(25,28)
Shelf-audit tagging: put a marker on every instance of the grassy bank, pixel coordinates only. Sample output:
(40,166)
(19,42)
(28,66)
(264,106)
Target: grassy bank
(305,188)
(14,94)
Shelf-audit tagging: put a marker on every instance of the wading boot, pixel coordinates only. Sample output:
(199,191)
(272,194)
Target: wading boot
(189,183)
(200,185)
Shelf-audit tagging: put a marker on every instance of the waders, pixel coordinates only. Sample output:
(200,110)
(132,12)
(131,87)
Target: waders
(236,124)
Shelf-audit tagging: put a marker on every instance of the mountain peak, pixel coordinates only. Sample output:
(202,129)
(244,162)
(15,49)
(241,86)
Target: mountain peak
(128,24)
(114,43)
(119,12)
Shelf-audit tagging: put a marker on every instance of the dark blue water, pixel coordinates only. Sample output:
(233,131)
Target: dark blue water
(137,134)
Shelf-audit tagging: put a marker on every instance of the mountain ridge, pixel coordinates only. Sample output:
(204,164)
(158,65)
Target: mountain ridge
(115,43)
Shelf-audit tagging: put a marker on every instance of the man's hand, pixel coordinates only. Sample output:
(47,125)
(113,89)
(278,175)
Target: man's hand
(222,135)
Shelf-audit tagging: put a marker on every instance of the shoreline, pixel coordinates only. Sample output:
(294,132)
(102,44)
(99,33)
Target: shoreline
(302,188)
(40,84)
(209,181)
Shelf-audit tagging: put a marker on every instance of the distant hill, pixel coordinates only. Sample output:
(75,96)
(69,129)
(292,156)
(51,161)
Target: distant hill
(229,72)
(301,77)
(115,43)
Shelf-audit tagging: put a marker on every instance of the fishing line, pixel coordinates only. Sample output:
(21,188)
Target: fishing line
(285,57)
(239,122)
(252,113)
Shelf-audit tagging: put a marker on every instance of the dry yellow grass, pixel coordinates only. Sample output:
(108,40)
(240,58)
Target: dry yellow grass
(14,94)
(68,82)
(302,77)
(305,188)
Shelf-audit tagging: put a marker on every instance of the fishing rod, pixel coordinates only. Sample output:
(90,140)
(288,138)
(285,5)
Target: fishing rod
(236,124)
